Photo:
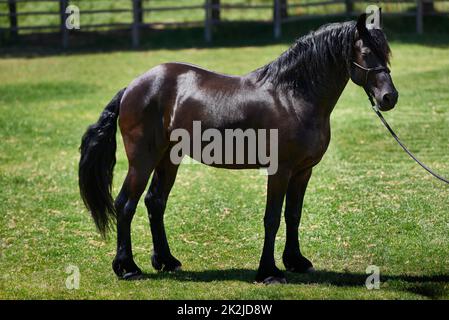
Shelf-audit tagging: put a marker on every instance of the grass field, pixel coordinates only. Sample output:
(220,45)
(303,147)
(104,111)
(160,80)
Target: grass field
(367,202)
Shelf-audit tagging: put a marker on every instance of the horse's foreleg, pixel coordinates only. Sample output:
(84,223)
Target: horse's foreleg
(292,257)
(156,199)
(277,186)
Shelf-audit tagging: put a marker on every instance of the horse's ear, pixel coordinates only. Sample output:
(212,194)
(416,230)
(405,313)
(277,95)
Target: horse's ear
(380,19)
(361,24)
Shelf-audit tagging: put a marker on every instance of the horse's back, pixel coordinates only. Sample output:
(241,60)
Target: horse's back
(217,100)
(168,80)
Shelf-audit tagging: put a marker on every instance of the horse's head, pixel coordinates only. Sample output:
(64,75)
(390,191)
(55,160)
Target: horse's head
(369,66)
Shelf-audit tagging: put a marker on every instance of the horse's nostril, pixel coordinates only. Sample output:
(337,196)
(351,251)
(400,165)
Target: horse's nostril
(389,99)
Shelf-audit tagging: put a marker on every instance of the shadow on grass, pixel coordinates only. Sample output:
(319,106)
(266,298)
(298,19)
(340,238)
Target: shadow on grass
(250,33)
(432,286)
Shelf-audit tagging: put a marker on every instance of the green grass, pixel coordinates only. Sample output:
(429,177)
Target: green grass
(367,202)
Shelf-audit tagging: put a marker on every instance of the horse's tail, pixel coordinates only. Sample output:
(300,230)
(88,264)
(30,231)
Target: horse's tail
(96,166)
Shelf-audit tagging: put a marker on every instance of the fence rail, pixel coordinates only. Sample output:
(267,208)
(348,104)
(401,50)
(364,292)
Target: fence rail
(137,8)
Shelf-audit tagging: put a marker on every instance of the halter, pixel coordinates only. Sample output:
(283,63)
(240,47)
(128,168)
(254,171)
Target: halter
(385,123)
(368,70)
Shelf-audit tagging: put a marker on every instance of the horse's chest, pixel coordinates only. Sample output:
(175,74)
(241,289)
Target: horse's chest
(312,144)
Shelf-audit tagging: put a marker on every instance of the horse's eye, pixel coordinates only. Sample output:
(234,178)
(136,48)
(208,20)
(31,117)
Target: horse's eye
(365,53)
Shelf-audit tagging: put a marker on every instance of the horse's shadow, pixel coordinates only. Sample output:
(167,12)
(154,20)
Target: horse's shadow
(431,286)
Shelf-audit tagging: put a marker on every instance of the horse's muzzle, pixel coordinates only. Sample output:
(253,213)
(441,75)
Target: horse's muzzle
(388,101)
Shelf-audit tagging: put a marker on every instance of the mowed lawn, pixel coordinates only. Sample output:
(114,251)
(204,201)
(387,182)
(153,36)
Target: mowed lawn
(367,202)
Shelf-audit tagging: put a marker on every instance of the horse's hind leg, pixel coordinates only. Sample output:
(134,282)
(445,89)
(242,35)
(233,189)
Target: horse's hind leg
(140,166)
(156,199)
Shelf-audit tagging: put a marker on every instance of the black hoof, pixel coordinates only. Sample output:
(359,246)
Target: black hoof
(297,264)
(136,275)
(274,280)
(270,276)
(168,264)
(126,269)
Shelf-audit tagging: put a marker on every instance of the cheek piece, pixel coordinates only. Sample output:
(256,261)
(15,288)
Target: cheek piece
(367,73)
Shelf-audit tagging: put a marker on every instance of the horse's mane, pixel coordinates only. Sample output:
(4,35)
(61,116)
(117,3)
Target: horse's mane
(304,63)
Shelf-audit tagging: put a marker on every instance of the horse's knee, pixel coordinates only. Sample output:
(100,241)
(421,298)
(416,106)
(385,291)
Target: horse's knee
(155,206)
(271,221)
(292,218)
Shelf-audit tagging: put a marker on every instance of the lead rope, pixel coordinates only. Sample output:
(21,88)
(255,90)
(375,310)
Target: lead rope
(376,110)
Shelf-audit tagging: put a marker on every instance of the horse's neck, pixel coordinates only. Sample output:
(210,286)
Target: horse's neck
(325,93)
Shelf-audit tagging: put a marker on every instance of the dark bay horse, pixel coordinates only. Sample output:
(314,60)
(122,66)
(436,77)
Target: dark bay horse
(294,94)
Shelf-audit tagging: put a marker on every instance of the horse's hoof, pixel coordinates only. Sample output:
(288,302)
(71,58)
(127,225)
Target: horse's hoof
(298,264)
(178,268)
(311,270)
(270,276)
(126,269)
(135,275)
(274,280)
(301,270)
(156,263)
(170,264)
(172,267)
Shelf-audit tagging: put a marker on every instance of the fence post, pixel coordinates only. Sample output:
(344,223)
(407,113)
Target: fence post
(216,10)
(137,21)
(277,19)
(13,18)
(419,17)
(63,18)
(284,8)
(349,7)
(208,21)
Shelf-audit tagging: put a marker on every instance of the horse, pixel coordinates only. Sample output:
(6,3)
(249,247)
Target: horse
(294,94)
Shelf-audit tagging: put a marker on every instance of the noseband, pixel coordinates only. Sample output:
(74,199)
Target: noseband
(369,70)
(367,73)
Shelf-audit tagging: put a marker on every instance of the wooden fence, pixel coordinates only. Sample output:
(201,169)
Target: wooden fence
(210,8)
